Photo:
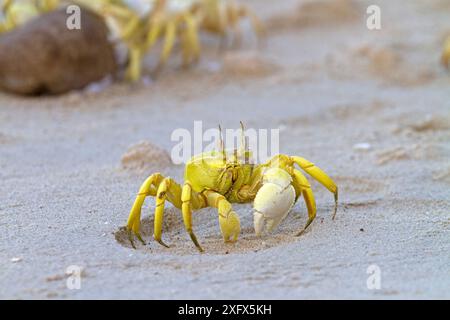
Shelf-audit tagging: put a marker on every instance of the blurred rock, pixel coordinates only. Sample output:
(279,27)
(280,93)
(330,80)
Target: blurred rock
(45,57)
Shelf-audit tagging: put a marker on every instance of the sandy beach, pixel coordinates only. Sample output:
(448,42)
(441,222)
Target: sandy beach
(371,108)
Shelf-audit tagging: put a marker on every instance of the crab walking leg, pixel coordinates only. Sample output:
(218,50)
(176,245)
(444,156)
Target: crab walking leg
(130,28)
(230,225)
(300,182)
(168,188)
(129,19)
(190,200)
(133,72)
(148,188)
(320,176)
(6,4)
(169,41)
(446,53)
(191,46)
(156,26)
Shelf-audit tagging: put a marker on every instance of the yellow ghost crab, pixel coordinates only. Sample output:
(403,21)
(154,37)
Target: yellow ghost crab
(219,178)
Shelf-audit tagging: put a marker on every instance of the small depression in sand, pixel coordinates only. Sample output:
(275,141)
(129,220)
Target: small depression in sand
(207,230)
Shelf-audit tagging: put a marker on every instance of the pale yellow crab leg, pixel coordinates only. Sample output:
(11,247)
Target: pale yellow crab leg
(130,28)
(320,176)
(169,41)
(171,190)
(6,4)
(228,219)
(133,72)
(446,53)
(148,188)
(155,28)
(191,200)
(191,45)
(127,17)
(301,183)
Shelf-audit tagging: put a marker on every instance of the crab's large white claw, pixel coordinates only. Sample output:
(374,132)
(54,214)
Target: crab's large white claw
(273,201)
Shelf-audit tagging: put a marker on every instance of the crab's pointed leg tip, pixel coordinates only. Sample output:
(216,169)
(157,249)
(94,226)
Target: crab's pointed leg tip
(300,233)
(140,239)
(200,249)
(195,241)
(132,243)
(162,243)
(335,204)
(130,238)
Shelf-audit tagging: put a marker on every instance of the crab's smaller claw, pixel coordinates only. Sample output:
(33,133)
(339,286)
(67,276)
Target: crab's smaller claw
(273,201)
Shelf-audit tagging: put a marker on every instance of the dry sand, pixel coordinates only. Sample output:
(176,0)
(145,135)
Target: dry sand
(370,107)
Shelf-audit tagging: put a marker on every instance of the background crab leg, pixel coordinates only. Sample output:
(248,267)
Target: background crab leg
(191,45)
(169,41)
(168,188)
(155,28)
(320,176)
(300,182)
(133,72)
(191,200)
(445,59)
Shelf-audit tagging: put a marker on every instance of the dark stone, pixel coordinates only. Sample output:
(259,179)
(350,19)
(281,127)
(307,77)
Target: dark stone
(45,57)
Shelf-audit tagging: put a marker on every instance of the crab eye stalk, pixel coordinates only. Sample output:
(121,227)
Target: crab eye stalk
(222,146)
(243,150)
